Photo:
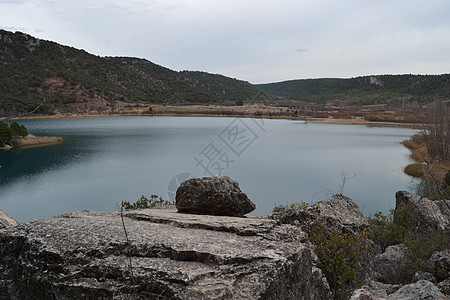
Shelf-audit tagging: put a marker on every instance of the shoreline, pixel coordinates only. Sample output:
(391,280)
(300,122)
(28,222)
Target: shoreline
(183,111)
(32,140)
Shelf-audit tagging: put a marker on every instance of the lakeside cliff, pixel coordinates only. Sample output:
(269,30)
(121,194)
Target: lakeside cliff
(190,256)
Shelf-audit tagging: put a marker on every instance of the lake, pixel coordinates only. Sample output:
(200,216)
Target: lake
(105,160)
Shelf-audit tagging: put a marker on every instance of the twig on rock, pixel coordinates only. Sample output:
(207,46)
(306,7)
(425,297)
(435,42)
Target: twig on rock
(129,251)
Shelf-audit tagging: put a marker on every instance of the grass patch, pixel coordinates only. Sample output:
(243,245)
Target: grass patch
(415,170)
(411,145)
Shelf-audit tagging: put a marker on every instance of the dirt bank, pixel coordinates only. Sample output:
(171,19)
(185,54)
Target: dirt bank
(32,140)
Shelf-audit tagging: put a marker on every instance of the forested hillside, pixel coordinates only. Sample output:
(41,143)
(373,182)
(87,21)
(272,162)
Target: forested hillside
(35,72)
(364,90)
(32,70)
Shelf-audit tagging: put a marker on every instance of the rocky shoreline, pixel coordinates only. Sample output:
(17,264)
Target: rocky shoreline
(85,255)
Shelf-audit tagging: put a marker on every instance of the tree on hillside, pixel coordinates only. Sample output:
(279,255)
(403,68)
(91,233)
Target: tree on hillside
(6,133)
(19,130)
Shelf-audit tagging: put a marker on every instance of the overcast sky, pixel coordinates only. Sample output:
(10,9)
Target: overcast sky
(255,40)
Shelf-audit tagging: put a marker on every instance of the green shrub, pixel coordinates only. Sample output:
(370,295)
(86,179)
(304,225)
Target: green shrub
(144,202)
(384,232)
(340,255)
(401,227)
(295,205)
(19,130)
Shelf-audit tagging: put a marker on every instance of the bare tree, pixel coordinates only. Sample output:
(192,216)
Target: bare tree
(437,139)
(437,130)
(344,179)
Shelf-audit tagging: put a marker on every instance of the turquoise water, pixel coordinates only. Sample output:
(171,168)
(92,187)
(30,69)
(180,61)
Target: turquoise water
(106,160)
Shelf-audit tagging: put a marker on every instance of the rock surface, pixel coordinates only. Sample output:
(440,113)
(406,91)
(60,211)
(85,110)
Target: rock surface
(6,221)
(402,198)
(176,256)
(373,291)
(433,215)
(444,287)
(217,195)
(421,275)
(389,267)
(439,263)
(338,213)
(421,290)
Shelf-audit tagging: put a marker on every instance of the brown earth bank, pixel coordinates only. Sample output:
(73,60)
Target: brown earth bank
(32,140)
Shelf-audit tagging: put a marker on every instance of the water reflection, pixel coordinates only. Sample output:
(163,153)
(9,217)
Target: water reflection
(107,160)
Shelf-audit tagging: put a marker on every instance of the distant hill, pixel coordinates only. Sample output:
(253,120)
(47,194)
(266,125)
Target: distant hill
(32,69)
(364,90)
(72,80)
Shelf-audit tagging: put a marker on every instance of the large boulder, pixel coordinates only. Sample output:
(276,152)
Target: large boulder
(444,287)
(421,290)
(338,213)
(432,215)
(84,255)
(6,221)
(218,195)
(389,267)
(374,291)
(439,263)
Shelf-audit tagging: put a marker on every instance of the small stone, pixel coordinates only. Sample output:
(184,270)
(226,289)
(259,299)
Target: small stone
(218,195)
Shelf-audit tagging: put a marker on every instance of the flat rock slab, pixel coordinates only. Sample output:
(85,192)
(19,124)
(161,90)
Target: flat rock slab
(174,256)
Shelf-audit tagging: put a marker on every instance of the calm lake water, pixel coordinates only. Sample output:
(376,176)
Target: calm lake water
(106,160)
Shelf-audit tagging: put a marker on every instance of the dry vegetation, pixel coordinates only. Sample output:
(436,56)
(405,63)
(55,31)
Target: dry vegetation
(32,140)
(430,150)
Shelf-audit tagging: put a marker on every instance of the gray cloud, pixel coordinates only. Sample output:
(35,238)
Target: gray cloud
(259,41)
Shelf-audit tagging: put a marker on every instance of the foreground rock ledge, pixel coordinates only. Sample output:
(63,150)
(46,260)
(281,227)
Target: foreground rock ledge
(84,255)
